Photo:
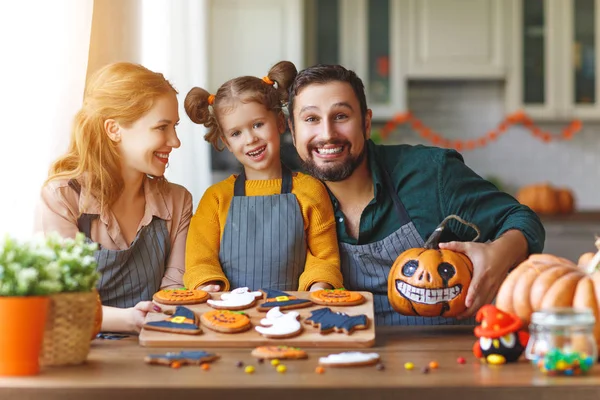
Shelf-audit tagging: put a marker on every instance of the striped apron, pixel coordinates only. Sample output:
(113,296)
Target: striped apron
(367,266)
(263,245)
(134,274)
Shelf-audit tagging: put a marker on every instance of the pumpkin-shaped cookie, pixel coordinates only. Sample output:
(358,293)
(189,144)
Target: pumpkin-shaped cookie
(429,281)
(180,296)
(279,352)
(226,321)
(337,297)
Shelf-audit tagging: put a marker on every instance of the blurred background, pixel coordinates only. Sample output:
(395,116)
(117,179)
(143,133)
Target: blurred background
(459,67)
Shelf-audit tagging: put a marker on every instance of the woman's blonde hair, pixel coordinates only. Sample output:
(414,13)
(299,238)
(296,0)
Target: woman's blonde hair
(121,91)
(247,89)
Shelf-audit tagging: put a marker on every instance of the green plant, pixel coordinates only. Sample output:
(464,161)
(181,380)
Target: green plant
(48,265)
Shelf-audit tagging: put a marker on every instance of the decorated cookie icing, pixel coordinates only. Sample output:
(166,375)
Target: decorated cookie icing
(180,296)
(183,320)
(271,352)
(349,357)
(226,319)
(339,297)
(279,324)
(236,299)
(283,300)
(328,321)
(183,357)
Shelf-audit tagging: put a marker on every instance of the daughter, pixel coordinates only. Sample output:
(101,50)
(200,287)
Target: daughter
(266,227)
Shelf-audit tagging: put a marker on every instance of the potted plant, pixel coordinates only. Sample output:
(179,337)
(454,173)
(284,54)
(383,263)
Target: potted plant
(27,278)
(48,302)
(72,312)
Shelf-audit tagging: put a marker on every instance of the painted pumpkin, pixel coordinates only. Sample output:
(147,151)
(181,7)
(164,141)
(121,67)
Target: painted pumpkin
(98,316)
(546,199)
(546,281)
(430,282)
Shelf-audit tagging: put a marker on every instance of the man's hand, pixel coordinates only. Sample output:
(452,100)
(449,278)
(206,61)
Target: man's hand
(491,263)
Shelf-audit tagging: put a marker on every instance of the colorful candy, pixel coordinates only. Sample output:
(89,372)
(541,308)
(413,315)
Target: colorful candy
(319,370)
(249,369)
(281,368)
(205,366)
(409,366)
(434,365)
(461,360)
(275,362)
(557,362)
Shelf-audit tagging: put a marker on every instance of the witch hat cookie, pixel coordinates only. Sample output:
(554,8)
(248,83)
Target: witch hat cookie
(283,300)
(500,336)
(183,321)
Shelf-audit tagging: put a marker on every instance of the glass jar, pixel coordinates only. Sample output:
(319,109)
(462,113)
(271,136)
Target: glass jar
(562,341)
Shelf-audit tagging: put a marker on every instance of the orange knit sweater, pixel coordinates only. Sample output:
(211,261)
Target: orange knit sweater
(206,231)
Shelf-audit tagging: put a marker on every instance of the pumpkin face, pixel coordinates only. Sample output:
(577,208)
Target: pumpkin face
(429,283)
(226,319)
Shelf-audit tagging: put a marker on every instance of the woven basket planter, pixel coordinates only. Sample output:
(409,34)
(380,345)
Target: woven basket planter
(69,328)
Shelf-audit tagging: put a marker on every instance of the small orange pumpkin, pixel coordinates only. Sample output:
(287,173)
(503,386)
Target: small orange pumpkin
(98,316)
(430,282)
(546,281)
(546,199)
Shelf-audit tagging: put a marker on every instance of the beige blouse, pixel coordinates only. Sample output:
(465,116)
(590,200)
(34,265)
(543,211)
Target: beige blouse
(59,208)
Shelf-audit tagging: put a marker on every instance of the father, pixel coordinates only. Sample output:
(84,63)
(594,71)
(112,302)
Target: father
(388,199)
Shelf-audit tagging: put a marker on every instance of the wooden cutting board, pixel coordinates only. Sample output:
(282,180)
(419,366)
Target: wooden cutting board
(310,336)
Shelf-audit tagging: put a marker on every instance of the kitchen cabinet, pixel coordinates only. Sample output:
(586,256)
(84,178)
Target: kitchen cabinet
(553,58)
(364,36)
(249,37)
(456,38)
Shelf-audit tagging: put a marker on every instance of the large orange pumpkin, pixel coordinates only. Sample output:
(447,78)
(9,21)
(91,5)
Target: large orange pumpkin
(546,199)
(431,282)
(546,281)
(98,316)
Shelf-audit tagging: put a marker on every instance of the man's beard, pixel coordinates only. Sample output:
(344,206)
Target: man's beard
(333,171)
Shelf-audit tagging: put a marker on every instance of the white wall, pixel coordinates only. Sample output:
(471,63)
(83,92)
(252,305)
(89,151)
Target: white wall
(44,47)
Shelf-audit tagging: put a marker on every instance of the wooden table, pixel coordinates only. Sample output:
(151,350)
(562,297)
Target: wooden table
(115,370)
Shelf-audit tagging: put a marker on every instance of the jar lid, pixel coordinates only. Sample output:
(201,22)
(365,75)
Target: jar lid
(563,316)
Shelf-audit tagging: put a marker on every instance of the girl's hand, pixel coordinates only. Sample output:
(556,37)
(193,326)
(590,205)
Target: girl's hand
(319,286)
(210,287)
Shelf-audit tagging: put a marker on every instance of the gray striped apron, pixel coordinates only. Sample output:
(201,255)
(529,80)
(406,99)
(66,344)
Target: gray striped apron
(367,266)
(134,274)
(263,245)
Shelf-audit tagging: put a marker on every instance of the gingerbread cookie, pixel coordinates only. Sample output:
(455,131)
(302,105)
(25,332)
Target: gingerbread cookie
(337,297)
(284,301)
(237,299)
(180,296)
(183,320)
(279,352)
(280,325)
(349,359)
(329,321)
(226,321)
(182,357)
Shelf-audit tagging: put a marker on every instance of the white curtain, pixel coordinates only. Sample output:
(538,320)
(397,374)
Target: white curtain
(44,46)
(49,47)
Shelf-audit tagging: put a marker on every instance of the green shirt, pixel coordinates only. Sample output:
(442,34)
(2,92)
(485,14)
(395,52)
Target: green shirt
(433,183)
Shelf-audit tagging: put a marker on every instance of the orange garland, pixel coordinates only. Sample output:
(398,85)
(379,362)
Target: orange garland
(516,118)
